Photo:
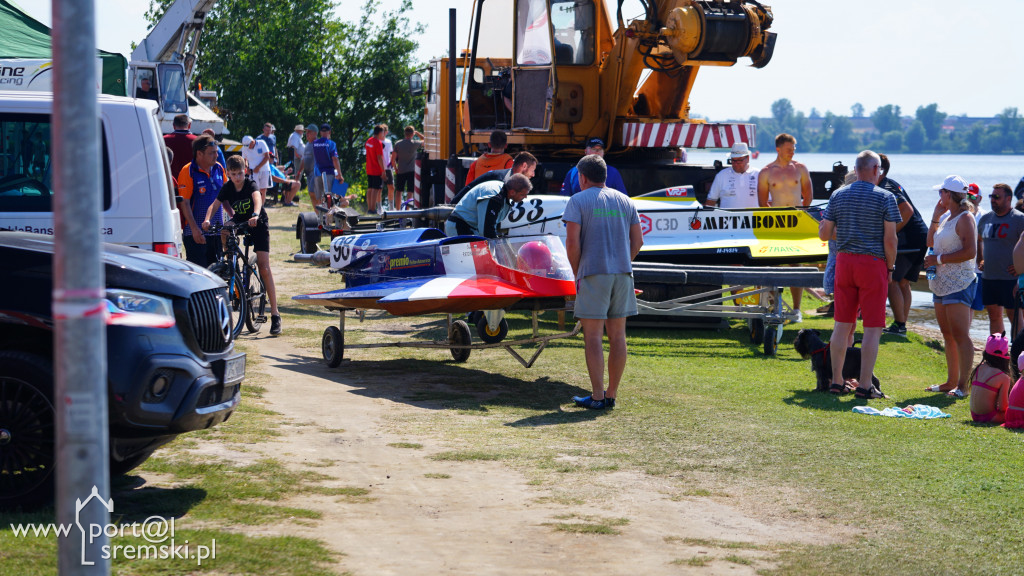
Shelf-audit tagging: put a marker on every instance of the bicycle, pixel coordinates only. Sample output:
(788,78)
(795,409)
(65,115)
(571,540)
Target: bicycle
(247,294)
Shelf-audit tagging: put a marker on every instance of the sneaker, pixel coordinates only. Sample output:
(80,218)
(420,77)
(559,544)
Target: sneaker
(609,403)
(589,402)
(275,325)
(896,329)
(797,317)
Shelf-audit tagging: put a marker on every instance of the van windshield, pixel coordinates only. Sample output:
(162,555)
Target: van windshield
(26,164)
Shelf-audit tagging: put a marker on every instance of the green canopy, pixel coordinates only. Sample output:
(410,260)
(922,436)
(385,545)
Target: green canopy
(23,37)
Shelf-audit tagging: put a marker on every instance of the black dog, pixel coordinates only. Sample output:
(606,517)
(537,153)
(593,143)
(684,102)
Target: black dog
(808,344)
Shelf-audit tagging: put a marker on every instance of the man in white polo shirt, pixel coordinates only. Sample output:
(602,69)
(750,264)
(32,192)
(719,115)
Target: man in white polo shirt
(735,187)
(257,156)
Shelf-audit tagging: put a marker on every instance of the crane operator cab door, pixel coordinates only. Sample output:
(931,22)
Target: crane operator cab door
(533,75)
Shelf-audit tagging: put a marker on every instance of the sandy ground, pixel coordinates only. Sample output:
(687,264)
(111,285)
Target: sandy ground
(486,518)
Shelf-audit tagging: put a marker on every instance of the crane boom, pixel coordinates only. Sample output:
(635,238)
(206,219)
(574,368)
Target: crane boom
(175,38)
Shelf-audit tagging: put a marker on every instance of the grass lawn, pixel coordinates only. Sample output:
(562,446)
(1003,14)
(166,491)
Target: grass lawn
(703,409)
(708,410)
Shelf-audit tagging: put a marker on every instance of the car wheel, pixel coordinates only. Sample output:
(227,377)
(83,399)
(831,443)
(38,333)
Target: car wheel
(459,334)
(128,464)
(332,346)
(489,336)
(27,431)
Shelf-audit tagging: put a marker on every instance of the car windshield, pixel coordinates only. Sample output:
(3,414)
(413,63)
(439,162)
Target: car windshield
(538,255)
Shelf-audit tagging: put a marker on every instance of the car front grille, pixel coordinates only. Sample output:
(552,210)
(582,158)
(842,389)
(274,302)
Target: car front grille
(210,320)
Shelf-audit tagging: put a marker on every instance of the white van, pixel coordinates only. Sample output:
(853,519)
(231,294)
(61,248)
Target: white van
(139,206)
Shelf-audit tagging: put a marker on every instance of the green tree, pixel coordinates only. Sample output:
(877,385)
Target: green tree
(295,61)
(931,119)
(857,110)
(915,137)
(843,139)
(886,118)
(782,112)
(893,141)
(1009,127)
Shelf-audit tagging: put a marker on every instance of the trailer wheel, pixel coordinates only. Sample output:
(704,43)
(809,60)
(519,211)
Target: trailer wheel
(459,335)
(772,334)
(307,229)
(487,335)
(756,327)
(332,346)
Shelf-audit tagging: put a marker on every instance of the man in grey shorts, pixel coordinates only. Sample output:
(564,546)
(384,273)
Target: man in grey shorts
(603,236)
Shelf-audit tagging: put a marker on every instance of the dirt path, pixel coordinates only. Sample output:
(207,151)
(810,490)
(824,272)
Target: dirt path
(484,517)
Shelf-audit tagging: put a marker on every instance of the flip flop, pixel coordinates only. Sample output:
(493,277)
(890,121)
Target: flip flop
(956,393)
(936,388)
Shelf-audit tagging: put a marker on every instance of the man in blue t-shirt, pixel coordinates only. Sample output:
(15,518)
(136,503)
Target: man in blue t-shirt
(571,184)
(602,236)
(325,158)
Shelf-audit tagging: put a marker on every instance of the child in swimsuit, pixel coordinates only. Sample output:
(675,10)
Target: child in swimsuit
(990,382)
(1015,401)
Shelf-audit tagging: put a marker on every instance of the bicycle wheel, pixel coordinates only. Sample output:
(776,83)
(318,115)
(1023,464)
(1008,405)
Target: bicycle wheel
(256,299)
(237,303)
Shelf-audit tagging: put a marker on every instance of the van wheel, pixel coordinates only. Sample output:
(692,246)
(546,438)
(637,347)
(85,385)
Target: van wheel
(28,425)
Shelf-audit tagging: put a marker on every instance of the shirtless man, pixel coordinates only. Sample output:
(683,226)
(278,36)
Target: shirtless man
(785,183)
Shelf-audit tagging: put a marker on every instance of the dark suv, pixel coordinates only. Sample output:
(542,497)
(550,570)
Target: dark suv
(171,364)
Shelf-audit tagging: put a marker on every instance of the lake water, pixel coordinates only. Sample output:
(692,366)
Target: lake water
(917,173)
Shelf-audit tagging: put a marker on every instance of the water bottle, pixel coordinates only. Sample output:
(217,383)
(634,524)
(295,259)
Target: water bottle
(930,271)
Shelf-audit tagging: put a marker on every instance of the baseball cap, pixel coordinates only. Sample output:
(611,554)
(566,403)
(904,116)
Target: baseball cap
(246,140)
(973,191)
(595,143)
(998,346)
(312,127)
(325,127)
(739,150)
(299,128)
(953,183)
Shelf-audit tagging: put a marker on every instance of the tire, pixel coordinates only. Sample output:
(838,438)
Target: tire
(489,337)
(128,464)
(28,429)
(332,346)
(1015,350)
(756,326)
(771,340)
(459,334)
(308,236)
(256,301)
(237,303)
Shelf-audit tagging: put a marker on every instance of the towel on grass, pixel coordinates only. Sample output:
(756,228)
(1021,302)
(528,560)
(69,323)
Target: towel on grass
(915,411)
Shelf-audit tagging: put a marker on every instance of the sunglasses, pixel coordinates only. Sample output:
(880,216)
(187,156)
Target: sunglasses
(997,196)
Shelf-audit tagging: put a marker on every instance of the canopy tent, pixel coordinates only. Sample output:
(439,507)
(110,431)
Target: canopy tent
(22,37)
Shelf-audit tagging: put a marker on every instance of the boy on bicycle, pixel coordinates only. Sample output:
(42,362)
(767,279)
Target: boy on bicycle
(244,202)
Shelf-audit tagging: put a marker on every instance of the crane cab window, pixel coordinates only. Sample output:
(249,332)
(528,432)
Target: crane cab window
(145,84)
(573,21)
(533,35)
(173,99)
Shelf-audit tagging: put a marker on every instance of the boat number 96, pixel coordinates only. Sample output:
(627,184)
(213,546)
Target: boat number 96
(520,209)
(341,249)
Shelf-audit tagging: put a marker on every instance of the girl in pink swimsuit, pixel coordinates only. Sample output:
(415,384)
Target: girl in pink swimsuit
(1015,401)
(990,382)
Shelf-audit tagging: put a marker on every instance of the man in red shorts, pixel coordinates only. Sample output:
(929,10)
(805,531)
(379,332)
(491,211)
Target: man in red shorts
(863,218)
(374,169)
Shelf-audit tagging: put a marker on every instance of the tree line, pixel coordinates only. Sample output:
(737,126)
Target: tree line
(891,131)
(294,62)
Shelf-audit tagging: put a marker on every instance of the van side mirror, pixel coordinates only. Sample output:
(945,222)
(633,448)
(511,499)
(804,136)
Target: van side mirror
(415,84)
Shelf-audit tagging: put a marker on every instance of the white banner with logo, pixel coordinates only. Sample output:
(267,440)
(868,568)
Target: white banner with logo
(34,74)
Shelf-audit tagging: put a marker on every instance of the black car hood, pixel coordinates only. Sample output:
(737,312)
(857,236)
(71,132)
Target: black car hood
(129,268)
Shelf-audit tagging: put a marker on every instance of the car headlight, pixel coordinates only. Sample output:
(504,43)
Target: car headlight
(130,308)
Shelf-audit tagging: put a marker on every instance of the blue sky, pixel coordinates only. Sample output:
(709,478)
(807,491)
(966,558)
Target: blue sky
(829,54)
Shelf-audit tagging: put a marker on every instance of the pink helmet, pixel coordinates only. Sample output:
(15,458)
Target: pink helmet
(534,257)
